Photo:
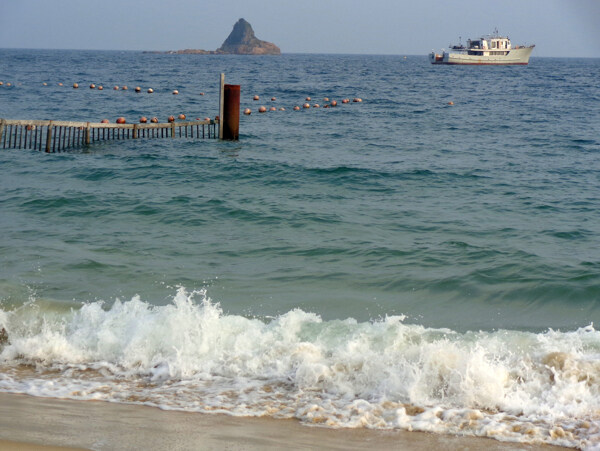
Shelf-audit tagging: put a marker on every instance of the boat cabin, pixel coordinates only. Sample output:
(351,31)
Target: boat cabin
(492,46)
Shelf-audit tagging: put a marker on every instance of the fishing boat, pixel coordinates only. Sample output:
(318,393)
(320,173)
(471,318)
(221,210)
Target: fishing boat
(488,50)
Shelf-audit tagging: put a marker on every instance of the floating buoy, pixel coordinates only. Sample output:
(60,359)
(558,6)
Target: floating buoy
(124,88)
(31,127)
(45,84)
(345,100)
(273,99)
(8,84)
(138,89)
(182,116)
(1,83)
(207,119)
(201,93)
(75,86)
(92,86)
(150,90)
(217,117)
(100,88)
(308,99)
(273,108)
(171,119)
(143,120)
(247,111)
(175,92)
(256,98)
(104,121)
(306,105)
(316,105)
(121,120)
(60,84)
(154,120)
(451,103)
(262,109)
(116,88)
(325,99)
(282,109)
(333,103)
(296,108)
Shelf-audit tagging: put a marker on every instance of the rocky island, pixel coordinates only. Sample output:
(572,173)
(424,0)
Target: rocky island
(241,41)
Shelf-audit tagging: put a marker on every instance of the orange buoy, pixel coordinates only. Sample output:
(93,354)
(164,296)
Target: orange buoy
(104,121)
(100,88)
(171,119)
(282,109)
(273,99)
(138,89)
(306,105)
(262,109)
(256,98)
(45,84)
(451,103)
(75,86)
(31,127)
(60,84)
(325,99)
(150,90)
(296,108)
(8,84)
(116,88)
(207,119)
(175,92)
(121,120)
(201,93)
(333,103)
(247,111)
(345,100)
(92,86)
(316,105)
(357,100)
(1,83)
(154,120)
(143,120)
(124,88)
(217,117)
(308,99)
(182,116)
(272,109)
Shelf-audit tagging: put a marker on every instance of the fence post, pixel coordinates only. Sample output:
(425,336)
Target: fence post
(1,129)
(231,113)
(87,134)
(221,104)
(172,129)
(135,131)
(49,137)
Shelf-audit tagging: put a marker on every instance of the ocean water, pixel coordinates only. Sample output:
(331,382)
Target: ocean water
(398,263)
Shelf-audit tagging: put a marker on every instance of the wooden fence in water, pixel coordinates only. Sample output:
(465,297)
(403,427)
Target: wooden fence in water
(57,136)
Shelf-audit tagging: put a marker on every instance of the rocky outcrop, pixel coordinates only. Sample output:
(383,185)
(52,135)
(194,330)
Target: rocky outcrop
(243,41)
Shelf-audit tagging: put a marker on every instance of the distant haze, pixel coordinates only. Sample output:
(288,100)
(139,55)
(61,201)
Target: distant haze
(557,27)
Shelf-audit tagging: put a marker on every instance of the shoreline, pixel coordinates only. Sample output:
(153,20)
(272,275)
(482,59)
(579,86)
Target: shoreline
(30,423)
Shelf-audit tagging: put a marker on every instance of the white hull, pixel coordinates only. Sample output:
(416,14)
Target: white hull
(515,56)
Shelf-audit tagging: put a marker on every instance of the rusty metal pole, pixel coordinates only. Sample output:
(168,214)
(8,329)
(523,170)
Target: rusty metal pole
(231,113)
(221,104)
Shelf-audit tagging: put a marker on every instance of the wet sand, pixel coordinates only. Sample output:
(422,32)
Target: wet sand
(28,423)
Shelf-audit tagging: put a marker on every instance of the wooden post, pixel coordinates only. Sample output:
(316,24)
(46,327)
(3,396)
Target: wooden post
(172,129)
(221,104)
(135,132)
(230,119)
(1,128)
(87,134)
(49,137)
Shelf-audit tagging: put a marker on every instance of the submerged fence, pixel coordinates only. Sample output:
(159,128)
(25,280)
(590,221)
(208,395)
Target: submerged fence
(56,136)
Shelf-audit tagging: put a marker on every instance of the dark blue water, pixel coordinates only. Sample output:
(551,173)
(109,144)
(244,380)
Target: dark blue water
(481,215)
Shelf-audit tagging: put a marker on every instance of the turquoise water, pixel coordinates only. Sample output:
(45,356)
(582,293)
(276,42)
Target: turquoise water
(469,230)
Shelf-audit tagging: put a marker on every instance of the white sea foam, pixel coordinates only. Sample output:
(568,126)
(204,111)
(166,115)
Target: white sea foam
(188,355)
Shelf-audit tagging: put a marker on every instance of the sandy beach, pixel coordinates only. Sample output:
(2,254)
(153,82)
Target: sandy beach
(30,423)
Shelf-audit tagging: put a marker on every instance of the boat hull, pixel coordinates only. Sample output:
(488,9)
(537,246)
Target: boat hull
(514,57)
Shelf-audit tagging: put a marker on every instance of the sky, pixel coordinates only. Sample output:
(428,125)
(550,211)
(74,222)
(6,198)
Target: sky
(397,27)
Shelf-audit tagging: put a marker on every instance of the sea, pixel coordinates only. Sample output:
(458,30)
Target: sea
(426,259)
